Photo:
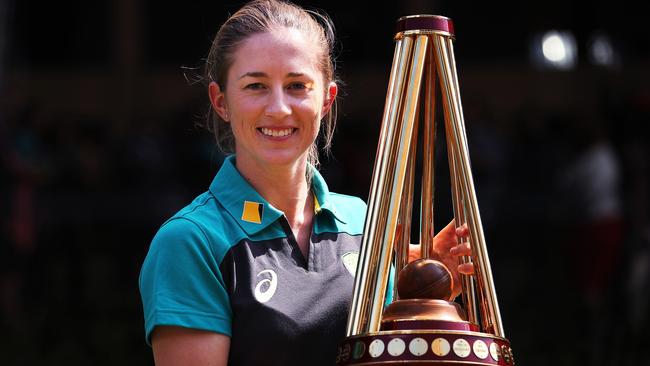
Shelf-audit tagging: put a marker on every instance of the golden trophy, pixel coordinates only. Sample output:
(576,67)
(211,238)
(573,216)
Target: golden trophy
(423,326)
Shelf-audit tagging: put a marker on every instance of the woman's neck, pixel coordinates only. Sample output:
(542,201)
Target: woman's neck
(283,186)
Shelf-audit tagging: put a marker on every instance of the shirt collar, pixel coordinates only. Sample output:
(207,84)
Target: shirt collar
(250,209)
(322,201)
(241,200)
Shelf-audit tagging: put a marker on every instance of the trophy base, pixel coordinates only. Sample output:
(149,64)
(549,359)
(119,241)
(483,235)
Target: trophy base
(403,314)
(425,343)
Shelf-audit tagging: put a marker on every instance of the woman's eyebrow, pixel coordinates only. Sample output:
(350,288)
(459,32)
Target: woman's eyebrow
(255,74)
(261,74)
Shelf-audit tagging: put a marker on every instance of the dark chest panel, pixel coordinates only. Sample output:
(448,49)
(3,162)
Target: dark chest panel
(288,309)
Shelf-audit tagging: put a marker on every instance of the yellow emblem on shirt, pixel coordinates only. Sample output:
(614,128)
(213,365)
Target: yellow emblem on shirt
(316,205)
(252,212)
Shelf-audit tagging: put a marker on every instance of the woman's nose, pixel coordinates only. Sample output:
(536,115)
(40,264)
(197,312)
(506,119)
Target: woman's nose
(278,104)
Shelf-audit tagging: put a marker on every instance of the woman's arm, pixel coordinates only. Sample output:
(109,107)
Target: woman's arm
(174,346)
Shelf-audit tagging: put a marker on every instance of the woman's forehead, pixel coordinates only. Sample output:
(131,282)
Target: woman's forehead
(281,50)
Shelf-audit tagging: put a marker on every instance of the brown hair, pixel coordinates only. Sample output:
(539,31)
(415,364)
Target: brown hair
(262,16)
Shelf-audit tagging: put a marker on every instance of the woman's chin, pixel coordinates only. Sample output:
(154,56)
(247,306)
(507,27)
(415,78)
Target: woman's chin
(282,158)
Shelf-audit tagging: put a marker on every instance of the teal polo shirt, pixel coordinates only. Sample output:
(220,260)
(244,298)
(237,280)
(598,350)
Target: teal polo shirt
(229,263)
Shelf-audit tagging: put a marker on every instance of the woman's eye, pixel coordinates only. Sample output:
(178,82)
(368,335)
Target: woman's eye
(255,86)
(297,86)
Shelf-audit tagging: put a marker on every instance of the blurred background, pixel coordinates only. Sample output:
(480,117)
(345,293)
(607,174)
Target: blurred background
(99,145)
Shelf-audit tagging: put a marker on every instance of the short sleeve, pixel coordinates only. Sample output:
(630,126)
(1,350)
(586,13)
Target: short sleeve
(180,281)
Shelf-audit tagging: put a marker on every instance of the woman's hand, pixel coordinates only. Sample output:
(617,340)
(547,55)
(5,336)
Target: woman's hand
(447,250)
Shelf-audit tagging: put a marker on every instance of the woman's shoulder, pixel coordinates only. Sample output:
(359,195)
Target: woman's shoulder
(350,212)
(203,222)
(347,202)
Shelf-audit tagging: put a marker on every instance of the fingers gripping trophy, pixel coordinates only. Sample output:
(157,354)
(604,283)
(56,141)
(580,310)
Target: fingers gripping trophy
(423,326)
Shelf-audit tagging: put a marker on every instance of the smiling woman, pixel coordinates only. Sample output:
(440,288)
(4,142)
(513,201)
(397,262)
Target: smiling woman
(251,272)
(274,104)
(302,27)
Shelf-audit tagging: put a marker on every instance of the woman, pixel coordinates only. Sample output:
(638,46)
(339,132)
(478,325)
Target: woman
(259,269)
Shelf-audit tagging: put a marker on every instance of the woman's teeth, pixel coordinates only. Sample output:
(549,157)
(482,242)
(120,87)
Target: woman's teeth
(276,133)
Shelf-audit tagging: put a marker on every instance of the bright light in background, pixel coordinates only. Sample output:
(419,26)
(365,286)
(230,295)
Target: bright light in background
(559,49)
(555,50)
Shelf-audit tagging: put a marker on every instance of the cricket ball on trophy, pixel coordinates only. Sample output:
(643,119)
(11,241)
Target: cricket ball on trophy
(425,279)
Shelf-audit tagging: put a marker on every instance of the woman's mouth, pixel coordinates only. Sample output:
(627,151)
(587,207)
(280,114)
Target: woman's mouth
(276,132)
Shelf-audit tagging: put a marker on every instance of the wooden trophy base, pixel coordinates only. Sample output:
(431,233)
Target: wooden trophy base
(436,335)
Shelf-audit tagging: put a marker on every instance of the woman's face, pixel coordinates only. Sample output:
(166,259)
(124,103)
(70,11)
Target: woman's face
(274,98)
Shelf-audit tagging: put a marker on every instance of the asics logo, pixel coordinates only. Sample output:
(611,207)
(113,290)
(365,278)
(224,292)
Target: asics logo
(265,289)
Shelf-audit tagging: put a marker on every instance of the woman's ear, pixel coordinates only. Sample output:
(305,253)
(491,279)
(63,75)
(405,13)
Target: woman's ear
(218,100)
(330,97)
